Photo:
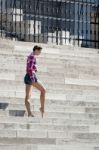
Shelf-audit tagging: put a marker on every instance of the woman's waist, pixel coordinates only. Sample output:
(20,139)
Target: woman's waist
(30,73)
(30,70)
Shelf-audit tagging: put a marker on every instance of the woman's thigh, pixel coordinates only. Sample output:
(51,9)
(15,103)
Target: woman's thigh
(28,90)
(39,86)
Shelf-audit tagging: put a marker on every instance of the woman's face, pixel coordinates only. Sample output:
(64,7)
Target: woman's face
(37,52)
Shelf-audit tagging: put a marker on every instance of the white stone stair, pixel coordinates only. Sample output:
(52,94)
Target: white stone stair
(71,78)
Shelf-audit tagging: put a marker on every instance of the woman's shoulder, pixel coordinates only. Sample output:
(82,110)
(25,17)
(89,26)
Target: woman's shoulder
(32,58)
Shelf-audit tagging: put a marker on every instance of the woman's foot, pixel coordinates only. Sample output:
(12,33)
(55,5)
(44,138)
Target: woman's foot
(30,115)
(42,111)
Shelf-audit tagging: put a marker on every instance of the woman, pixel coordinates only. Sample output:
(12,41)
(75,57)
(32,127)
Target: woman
(30,80)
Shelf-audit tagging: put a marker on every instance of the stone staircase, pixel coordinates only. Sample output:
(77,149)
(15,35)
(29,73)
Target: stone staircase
(71,78)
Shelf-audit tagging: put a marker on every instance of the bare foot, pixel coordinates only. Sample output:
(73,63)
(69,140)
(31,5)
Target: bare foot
(30,115)
(42,111)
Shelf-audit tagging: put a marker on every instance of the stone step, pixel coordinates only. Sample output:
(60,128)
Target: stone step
(19,86)
(49,121)
(49,70)
(77,143)
(19,68)
(22,60)
(52,74)
(49,146)
(46,60)
(65,147)
(91,81)
(44,73)
(30,127)
(57,108)
(55,51)
(82,82)
(51,78)
(25,141)
(48,75)
(23,134)
(28,46)
(22,66)
(48,48)
(42,134)
(8,44)
(75,136)
(18,147)
(19,71)
(57,86)
(21,94)
(53,96)
(61,57)
(51,102)
(90,75)
(76,109)
(60,51)
(4,113)
(66,65)
(67,115)
(58,58)
(46,147)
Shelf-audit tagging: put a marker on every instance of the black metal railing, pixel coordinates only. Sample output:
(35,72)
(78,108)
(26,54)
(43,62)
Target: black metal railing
(64,22)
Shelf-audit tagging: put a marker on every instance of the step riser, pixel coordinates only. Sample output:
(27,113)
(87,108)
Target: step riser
(14,86)
(12,126)
(47,147)
(84,137)
(68,67)
(56,86)
(25,141)
(57,55)
(51,102)
(18,147)
(21,94)
(53,115)
(53,78)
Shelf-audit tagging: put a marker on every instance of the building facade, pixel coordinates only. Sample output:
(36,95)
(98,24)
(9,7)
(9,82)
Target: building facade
(63,22)
(95,26)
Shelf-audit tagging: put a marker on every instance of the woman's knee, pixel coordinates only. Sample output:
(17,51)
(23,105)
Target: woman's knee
(43,91)
(27,97)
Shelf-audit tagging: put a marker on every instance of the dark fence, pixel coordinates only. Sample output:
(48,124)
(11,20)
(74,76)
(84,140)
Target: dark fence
(64,22)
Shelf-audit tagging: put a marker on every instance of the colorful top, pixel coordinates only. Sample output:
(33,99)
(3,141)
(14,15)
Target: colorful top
(31,66)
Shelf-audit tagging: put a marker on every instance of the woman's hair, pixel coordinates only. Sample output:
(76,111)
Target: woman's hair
(37,47)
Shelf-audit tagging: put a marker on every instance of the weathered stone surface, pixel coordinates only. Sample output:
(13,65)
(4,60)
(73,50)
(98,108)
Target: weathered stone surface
(71,78)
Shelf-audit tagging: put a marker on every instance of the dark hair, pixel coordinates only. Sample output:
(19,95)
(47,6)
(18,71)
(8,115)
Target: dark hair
(37,47)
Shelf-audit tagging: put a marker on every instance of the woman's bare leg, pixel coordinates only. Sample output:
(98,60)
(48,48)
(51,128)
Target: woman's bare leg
(42,95)
(28,96)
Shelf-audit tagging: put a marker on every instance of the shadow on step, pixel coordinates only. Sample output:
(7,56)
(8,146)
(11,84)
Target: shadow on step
(17,113)
(3,105)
